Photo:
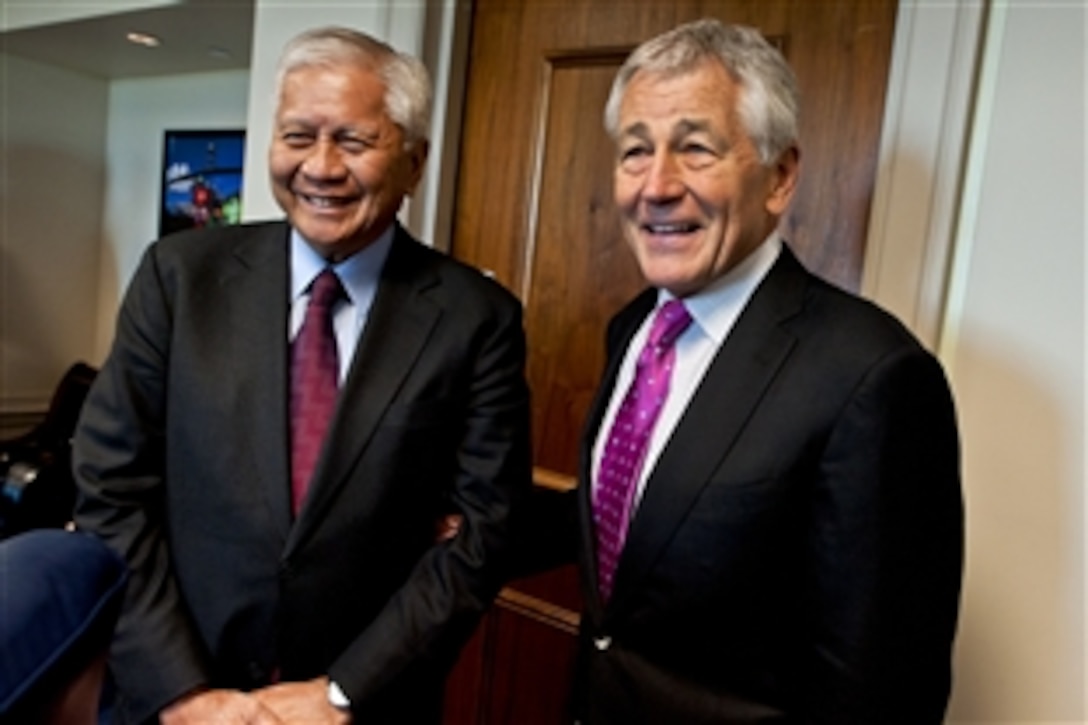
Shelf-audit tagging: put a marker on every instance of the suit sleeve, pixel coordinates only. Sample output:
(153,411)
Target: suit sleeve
(887,547)
(118,463)
(425,622)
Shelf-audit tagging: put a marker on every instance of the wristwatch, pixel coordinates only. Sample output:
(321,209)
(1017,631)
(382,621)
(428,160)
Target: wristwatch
(337,698)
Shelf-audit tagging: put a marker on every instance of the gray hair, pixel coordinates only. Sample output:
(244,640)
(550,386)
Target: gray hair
(769,102)
(407,83)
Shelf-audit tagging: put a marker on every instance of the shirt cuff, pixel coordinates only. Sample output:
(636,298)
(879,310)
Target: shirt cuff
(337,698)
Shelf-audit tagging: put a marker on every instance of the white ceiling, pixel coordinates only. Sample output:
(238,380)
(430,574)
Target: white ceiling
(197,36)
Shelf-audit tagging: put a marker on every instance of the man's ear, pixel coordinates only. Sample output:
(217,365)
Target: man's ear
(417,160)
(784,175)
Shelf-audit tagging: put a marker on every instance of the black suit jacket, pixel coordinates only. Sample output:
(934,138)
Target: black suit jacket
(182,455)
(796,556)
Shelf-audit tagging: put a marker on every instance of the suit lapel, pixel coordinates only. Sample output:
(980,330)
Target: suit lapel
(257,277)
(745,365)
(400,322)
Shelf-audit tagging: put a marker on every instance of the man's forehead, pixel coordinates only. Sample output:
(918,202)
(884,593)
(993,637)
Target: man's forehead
(681,126)
(681,107)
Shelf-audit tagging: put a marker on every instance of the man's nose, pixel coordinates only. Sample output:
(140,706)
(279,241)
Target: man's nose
(664,179)
(324,161)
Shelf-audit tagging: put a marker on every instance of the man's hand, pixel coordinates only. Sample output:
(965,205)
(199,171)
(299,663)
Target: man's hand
(447,527)
(302,702)
(222,707)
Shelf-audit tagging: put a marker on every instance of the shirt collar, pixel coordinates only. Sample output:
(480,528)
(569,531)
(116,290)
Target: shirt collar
(716,307)
(358,273)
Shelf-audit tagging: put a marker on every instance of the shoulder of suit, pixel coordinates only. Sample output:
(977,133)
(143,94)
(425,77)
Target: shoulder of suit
(214,240)
(463,282)
(846,321)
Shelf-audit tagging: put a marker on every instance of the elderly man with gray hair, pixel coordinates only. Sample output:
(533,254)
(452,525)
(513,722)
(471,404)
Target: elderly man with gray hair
(287,410)
(770,507)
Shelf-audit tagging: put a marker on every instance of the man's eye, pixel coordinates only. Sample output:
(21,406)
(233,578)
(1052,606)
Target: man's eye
(696,148)
(696,155)
(635,159)
(353,145)
(296,138)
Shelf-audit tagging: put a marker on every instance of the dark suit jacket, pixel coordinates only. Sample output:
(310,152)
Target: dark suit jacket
(796,556)
(182,460)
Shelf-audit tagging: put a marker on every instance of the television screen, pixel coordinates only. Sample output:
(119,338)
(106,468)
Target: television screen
(201,179)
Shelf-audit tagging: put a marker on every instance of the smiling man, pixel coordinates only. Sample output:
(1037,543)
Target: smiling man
(771,516)
(287,410)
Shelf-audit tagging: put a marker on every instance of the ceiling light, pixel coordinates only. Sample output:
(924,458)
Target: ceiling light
(144,39)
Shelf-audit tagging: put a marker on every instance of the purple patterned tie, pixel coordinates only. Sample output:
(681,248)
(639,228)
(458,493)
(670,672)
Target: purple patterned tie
(625,449)
(315,372)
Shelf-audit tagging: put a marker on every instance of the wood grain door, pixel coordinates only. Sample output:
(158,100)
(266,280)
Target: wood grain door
(534,207)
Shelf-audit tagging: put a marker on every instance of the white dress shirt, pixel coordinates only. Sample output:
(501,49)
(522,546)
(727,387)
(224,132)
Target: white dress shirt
(359,276)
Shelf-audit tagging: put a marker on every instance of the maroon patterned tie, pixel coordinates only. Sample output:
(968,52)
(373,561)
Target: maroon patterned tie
(315,371)
(625,449)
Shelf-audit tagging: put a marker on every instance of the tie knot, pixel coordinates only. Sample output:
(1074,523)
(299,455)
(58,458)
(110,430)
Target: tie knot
(326,289)
(671,320)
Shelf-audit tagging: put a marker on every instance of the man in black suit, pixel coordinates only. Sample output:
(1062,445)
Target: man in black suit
(261,592)
(782,542)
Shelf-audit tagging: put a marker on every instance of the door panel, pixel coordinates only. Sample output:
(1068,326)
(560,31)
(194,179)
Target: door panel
(578,270)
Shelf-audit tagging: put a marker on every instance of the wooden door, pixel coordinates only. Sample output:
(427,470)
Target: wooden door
(534,207)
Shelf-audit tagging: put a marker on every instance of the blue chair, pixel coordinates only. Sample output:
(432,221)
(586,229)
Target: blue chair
(60,597)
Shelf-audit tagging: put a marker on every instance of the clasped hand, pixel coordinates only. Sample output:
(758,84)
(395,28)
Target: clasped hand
(286,703)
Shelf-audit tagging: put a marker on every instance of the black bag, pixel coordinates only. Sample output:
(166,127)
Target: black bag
(36,485)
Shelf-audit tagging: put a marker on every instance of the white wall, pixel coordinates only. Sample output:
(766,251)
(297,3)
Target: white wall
(1014,342)
(139,111)
(52,135)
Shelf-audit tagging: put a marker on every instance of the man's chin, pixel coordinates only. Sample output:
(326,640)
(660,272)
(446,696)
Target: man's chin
(331,246)
(678,282)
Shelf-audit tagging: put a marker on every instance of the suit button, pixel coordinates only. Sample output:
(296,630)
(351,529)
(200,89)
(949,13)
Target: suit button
(602,643)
